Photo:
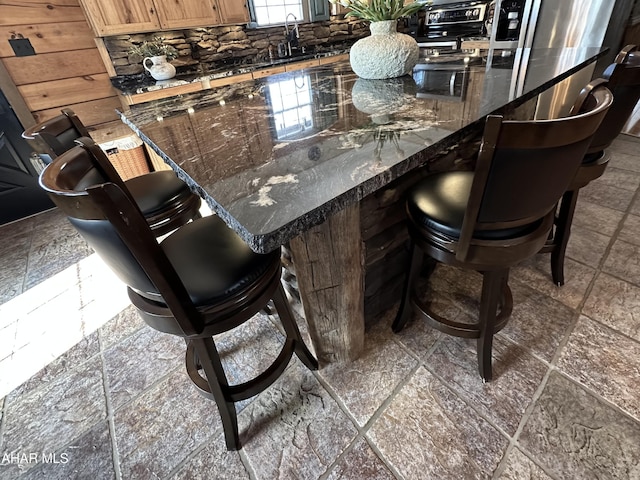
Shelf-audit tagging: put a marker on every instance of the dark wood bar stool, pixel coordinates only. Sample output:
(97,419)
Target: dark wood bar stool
(623,79)
(164,199)
(199,281)
(496,216)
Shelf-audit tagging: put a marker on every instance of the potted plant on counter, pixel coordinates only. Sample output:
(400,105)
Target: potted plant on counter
(156,57)
(386,53)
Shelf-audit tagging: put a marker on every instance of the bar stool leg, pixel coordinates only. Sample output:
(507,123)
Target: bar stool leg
(561,237)
(417,256)
(210,360)
(492,292)
(291,329)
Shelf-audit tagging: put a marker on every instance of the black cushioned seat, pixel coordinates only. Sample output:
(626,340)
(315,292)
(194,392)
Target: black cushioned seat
(198,282)
(439,202)
(154,190)
(212,260)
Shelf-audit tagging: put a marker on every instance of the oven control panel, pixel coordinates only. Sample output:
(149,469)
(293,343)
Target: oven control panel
(472,12)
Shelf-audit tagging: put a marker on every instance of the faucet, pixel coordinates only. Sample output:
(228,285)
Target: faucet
(293,35)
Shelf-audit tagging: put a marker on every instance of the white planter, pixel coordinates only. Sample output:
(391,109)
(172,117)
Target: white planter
(384,54)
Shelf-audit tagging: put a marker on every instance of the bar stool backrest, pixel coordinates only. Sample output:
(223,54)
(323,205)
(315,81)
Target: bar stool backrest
(524,167)
(111,223)
(623,79)
(55,136)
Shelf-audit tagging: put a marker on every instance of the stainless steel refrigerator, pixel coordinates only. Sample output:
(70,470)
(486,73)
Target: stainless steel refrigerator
(557,24)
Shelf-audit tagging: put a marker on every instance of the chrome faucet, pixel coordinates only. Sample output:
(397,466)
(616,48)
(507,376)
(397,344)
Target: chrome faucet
(294,34)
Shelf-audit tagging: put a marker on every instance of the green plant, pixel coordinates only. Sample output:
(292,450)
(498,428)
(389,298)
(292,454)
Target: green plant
(154,48)
(379,10)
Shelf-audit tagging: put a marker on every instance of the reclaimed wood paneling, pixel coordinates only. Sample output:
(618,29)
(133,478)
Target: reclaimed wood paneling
(92,113)
(58,93)
(67,70)
(48,37)
(38,11)
(54,66)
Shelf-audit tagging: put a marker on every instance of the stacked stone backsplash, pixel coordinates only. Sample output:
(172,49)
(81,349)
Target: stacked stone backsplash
(209,49)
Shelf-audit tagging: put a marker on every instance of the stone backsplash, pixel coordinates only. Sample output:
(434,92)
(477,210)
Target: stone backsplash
(209,49)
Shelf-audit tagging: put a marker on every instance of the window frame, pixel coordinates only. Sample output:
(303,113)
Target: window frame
(313,10)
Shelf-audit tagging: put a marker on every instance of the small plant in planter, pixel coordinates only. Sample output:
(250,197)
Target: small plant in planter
(154,48)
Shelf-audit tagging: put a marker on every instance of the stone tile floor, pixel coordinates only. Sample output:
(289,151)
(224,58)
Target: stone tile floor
(113,400)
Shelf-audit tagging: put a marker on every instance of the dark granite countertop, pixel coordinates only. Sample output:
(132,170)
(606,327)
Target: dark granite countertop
(143,82)
(277,155)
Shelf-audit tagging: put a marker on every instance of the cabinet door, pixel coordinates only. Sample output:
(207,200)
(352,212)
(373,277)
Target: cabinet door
(233,11)
(120,16)
(187,13)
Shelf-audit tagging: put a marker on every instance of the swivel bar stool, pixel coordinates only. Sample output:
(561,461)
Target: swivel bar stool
(164,199)
(623,79)
(199,281)
(496,216)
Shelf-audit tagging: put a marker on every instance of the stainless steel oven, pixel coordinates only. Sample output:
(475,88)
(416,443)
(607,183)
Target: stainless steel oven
(444,23)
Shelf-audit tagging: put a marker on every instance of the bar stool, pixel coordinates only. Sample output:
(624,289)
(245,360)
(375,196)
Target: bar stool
(198,282)
(623,79)
(164,199)
(496,216)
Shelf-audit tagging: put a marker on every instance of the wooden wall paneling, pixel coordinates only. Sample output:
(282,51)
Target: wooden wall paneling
(39,11)
(58,93)
(54,66)
(48,37)
(67,70)
(92,113)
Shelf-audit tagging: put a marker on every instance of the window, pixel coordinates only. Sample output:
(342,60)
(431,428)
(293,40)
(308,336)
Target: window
(274,12)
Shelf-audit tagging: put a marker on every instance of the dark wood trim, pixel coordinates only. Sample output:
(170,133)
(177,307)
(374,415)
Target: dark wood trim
(10,90)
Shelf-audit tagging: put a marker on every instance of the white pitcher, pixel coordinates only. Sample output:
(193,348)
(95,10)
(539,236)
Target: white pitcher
(160,69)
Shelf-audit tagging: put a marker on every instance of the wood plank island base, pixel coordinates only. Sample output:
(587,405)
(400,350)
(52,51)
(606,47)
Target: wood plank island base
(317,160)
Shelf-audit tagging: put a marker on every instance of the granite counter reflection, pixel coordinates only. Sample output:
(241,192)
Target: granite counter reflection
(287,159)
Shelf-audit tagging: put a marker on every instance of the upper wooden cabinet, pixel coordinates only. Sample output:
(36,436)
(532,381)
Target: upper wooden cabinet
(187,13)
(233,11)
(116,17)
(121,16)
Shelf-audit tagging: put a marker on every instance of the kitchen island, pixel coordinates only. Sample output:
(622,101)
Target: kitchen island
(316,161)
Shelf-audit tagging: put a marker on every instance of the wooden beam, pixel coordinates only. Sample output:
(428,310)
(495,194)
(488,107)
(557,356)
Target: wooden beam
(329,265)
(14,98)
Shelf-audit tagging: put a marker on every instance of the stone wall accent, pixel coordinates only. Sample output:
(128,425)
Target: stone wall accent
(209,49)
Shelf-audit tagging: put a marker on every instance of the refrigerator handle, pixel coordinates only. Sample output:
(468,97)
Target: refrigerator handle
(529,20)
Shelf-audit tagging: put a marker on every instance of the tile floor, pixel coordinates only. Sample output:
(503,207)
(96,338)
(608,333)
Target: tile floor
(565,402)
